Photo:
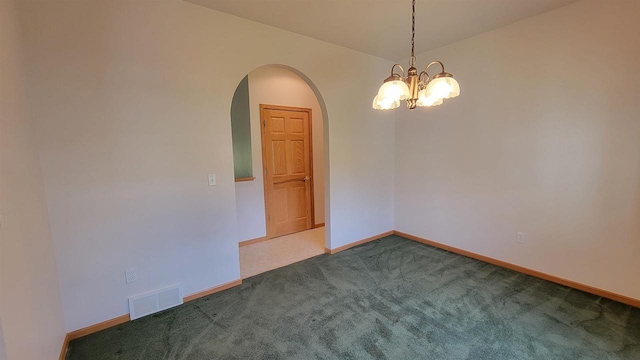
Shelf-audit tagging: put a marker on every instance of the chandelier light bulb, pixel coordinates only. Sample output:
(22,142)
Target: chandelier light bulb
(443,88)
(381,103)
(426,100)
(394,90)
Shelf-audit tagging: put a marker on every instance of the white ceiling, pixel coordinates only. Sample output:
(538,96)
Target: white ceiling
(383,27)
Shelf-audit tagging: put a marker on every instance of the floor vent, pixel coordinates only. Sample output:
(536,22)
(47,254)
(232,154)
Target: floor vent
(154,301)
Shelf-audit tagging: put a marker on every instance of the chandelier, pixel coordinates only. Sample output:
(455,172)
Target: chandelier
(417,89)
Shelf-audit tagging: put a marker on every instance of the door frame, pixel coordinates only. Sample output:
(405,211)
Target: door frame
(263,107)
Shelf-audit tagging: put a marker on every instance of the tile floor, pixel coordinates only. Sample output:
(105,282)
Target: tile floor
(281,251)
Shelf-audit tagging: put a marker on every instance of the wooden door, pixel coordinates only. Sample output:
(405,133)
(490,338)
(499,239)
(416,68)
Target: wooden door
(287,161)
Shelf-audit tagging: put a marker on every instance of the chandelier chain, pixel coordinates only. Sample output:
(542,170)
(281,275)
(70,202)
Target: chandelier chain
(413,31)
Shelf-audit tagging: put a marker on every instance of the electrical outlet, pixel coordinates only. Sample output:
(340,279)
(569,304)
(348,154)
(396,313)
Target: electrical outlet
(130,275)
(212,179)
(521,237)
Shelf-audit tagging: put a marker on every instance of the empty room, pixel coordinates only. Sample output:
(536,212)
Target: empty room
(319,179)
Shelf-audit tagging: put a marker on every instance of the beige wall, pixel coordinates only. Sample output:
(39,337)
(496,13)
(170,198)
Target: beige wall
(132,113)
(542,140)
(30,310)
(277,86)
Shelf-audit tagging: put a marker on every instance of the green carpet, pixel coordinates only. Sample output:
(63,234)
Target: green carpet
(388,299)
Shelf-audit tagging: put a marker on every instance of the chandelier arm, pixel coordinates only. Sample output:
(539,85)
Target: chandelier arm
(401,69)
(421,80)
(432,63)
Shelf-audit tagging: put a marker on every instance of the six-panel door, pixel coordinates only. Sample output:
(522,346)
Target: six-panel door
(286,144)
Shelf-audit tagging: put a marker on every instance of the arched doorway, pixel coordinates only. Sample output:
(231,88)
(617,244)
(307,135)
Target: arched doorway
(276,86)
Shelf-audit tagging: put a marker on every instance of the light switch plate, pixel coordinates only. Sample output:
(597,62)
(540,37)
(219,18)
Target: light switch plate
(212,179)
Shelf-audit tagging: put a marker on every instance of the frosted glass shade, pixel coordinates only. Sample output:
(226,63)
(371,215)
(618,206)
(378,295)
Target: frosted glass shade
(443,88)
(380,103)
(394,90)
(425,100)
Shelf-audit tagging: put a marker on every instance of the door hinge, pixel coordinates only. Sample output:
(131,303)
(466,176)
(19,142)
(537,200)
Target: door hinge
(264,123)
(266,171)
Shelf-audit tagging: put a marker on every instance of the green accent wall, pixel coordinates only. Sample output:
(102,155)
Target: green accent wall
(241,131)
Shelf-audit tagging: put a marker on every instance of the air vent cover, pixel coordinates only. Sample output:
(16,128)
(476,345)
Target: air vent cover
(154,301)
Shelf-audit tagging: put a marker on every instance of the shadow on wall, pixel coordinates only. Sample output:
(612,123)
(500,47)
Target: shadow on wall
(274,85)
